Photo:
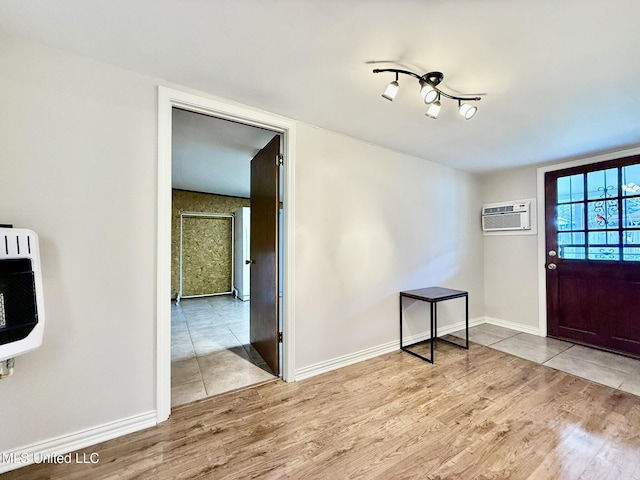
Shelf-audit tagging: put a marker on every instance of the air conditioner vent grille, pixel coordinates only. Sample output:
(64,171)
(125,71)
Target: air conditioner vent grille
(494,210)
(503,222)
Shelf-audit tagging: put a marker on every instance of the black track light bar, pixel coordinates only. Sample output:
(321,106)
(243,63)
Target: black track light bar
(431,78)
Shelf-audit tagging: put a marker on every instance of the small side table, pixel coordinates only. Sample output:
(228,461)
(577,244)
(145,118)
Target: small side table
(433,295)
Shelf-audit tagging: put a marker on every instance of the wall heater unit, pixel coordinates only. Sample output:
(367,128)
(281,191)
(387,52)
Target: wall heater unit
(512,216)
(21,303)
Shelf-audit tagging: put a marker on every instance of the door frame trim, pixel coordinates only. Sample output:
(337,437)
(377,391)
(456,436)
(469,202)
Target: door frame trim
(167,99)
(542,254)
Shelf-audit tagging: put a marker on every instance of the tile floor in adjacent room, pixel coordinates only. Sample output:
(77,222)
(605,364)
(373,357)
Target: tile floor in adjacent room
(210,350)
(606,368)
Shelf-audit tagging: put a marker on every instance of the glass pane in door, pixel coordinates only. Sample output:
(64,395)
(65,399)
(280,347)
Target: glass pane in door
(570,216)
(571,188)
(603,214)
(571,253)
(573,238)
(631,254)
(631,180)
(604,238)
(631,216)
(604,253)
(602,184)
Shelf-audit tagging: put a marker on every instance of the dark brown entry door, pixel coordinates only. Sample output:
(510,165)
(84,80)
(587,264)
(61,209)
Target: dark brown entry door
(593,254)
(265,201)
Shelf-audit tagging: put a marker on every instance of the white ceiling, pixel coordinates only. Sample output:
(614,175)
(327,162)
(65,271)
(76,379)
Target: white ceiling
(561,77)
(213,155)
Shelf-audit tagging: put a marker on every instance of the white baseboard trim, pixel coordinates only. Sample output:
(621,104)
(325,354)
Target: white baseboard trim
(350,359)
(345,360)
(512,325)
(40,452)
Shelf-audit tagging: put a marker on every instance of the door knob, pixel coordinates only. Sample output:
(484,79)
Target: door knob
(552,266)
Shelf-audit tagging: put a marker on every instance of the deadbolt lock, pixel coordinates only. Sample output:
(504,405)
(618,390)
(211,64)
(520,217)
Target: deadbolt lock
(552,253)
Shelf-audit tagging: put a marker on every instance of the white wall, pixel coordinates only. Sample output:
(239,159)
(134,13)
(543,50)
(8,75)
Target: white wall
(78,163)
(79,166)
(369,223)
(510,261)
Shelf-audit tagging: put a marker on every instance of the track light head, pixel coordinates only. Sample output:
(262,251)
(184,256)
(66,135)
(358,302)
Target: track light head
(467,110)
(434,109)
(391,91)
(428,92)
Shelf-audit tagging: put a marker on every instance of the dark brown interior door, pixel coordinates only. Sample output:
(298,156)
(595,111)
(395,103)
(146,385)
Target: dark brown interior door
(592,227)
(265,201)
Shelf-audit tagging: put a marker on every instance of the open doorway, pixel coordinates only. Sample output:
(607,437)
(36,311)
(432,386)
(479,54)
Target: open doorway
(213,320)
(167,99)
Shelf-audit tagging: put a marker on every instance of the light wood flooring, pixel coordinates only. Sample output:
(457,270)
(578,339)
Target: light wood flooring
(477,414)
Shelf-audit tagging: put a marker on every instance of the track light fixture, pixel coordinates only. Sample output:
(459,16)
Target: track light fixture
(430,92)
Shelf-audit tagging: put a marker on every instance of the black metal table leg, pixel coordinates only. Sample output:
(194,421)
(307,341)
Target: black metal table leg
(466,320)
(434,322)
(401,346)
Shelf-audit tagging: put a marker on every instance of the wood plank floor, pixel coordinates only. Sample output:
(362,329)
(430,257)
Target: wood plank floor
(474,414)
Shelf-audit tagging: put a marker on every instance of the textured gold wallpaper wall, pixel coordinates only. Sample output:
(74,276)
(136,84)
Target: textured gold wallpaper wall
(206,251)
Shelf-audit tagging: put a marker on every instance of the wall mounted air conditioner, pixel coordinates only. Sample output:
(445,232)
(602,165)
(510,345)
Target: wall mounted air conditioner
(501,217)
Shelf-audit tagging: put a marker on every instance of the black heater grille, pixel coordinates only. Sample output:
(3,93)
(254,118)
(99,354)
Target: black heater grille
(18,310)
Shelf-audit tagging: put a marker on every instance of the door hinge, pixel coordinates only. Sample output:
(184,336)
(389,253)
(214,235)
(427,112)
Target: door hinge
(280,337)
(279,160)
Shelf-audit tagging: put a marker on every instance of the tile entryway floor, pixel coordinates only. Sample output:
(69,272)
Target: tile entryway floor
(210,349)
(606,368)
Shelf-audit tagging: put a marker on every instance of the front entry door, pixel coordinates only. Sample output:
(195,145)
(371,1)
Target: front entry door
(265,203)
(593,254)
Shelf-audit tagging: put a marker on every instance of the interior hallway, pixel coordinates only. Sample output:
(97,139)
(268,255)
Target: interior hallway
(210,349)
